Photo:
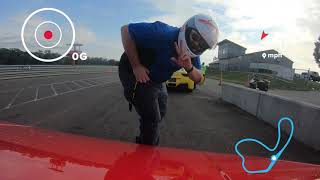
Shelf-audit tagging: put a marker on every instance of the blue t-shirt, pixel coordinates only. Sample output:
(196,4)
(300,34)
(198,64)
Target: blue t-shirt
(159,37)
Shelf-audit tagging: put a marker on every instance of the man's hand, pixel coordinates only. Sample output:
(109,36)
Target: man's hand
(141,73)
(183,59)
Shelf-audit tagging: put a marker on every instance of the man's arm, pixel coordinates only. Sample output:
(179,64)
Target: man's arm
(184,61)
(196,75)
(140,72)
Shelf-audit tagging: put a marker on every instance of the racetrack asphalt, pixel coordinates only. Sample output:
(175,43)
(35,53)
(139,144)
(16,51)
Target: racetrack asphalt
(93,105)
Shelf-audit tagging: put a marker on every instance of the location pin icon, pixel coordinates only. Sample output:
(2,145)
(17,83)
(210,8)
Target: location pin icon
(264,55)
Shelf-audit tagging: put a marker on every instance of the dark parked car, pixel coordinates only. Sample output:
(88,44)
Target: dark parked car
(314,76)
(261,84)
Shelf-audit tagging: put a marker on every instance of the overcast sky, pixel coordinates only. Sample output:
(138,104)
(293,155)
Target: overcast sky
(293,25)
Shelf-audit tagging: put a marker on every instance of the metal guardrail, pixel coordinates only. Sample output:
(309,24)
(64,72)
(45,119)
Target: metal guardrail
(24,71)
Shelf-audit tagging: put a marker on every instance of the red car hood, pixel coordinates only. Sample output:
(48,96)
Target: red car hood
(32,153)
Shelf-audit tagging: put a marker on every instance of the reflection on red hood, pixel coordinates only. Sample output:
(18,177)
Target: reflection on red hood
(32,153)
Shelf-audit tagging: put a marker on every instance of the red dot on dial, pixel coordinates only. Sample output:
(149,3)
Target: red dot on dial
(48,35)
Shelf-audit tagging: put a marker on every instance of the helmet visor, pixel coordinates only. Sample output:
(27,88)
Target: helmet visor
(195,42)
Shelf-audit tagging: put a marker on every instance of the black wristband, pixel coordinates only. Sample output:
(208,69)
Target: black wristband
(189,70)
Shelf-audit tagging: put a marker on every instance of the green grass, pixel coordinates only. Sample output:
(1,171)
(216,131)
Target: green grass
(275,82)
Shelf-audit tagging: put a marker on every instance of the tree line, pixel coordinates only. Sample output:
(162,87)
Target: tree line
(17,57)
(316,53)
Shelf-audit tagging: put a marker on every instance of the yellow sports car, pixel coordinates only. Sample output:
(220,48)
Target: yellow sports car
(180,79)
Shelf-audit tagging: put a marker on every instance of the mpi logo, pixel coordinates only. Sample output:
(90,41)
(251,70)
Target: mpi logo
(271,56)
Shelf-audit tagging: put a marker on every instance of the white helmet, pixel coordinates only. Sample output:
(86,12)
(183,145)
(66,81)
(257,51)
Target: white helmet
(198,34)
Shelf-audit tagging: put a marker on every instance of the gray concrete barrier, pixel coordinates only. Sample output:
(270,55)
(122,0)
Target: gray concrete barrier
(306,117)
(246,99)
(270,108)
(8,72)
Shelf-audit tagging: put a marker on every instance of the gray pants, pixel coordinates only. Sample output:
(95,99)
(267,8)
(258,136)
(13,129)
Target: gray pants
(150,102)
